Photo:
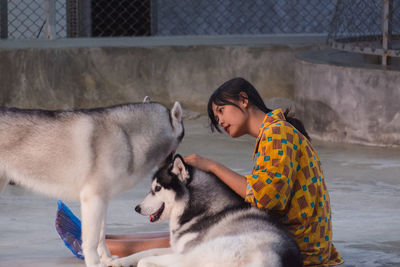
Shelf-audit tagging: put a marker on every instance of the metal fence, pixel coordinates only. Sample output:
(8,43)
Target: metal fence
(21,19)
(31,19)
(367,26)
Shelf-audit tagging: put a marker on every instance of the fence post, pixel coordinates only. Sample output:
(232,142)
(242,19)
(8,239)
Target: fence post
(50,19)
(72,18)
(387,13)
(3,19)
(153,17)
(79,18)
(85,18)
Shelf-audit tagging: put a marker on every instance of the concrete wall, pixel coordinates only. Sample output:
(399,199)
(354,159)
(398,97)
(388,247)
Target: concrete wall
(336,102)
(341,102)
(79,77)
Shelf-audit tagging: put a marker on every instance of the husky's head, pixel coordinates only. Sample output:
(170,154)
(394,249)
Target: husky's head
(167,190)
(163,131)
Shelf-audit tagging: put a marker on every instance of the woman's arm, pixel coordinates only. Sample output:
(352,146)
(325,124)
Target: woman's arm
(231,178)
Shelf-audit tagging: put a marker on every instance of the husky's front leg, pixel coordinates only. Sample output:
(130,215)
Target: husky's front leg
(133,259)
(93,211)
(102,249)
(3,183)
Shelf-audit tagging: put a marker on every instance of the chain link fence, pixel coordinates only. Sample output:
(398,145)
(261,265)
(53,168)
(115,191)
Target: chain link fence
(189,17)
(367,26)
(21,19)
(31,19)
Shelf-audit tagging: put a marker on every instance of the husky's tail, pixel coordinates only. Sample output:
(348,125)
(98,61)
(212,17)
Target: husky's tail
(3,183)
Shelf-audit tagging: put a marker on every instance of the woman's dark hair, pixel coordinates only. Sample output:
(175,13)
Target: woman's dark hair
(231,90)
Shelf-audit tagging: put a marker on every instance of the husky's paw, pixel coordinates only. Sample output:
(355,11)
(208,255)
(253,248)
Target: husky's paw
(94,263)
(97,265)
(144,263)
(108,260)
(120,262)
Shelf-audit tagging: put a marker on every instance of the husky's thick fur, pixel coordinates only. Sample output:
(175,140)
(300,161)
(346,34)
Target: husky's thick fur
(210,225)
(87,155)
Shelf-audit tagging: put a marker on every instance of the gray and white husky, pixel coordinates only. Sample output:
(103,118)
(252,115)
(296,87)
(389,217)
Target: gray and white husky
(88,155)
(210,225)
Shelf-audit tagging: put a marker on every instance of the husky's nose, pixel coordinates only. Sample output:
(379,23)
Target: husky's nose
(137,209)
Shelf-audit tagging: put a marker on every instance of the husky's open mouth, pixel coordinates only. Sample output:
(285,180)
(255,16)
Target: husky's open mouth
(156,215)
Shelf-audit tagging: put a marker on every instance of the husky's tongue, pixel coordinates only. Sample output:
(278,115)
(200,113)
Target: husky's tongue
(156,215)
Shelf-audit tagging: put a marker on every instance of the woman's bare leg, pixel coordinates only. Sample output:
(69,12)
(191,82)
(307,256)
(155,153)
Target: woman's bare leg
(125,245)
(138,236)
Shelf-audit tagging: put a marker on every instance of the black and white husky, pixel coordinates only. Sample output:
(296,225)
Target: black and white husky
(88,155)
(209,225)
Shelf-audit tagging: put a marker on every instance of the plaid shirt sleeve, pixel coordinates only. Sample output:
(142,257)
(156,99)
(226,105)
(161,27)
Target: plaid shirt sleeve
(270,184)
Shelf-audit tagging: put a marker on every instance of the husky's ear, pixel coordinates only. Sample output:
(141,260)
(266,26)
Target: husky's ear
(180,169)
(146,99)
(176,115)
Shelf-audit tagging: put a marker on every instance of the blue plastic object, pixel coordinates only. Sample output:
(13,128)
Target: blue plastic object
(68,227)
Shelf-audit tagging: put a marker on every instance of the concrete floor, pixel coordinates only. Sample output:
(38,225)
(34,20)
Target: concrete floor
(363,182)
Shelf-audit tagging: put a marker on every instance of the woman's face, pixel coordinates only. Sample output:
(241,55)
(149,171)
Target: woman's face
(232,119)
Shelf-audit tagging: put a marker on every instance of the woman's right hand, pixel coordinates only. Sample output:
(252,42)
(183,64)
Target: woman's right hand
(236,181)
(200,162)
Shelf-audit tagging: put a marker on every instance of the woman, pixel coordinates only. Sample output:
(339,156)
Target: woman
(287,179)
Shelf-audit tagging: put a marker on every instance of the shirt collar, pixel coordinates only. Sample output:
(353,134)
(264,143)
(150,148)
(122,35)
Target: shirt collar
(270,118)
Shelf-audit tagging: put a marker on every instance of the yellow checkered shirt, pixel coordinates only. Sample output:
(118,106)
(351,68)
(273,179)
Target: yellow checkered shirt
(287,181)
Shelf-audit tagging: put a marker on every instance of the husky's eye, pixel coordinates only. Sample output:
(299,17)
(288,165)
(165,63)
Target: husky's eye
(157,188)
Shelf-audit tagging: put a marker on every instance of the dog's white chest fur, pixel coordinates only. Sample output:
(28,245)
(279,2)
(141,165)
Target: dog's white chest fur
(180,244)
